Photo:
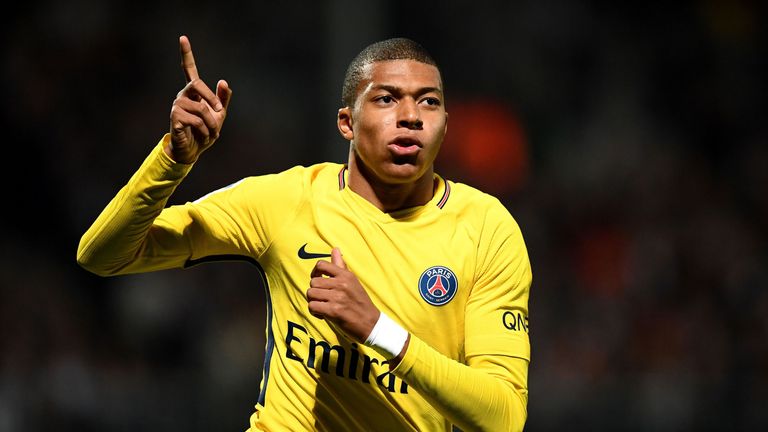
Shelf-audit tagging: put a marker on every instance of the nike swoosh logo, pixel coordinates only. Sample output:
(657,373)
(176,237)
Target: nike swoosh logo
(303,254)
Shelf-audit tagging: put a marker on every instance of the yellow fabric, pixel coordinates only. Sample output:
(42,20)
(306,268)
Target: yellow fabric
(467,360)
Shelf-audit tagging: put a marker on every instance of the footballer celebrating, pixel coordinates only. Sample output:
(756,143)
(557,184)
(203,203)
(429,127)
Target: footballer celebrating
(397,300)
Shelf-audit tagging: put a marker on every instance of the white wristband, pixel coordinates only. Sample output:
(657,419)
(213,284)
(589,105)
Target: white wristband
(387,337)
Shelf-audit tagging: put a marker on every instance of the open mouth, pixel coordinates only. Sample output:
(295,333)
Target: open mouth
(405,146)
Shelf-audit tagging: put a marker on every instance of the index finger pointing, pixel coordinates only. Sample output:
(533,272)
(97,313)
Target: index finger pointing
(187,59)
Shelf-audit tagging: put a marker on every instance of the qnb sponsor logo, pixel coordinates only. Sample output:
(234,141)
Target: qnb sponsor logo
(335,359)
(515,321)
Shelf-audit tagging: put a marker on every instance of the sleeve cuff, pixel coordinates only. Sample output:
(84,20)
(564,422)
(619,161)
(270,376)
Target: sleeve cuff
(173,169)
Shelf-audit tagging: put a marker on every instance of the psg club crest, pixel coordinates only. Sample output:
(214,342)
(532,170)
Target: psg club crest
(438,285)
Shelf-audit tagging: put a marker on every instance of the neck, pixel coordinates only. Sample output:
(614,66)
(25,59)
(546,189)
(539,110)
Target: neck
(389,197)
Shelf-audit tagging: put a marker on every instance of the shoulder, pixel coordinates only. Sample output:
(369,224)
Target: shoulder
(484,215)
(471,202)
(292,185)
(500,243)
(296,178)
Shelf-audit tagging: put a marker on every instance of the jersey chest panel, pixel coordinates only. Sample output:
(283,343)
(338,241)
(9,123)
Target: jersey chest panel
(418,271)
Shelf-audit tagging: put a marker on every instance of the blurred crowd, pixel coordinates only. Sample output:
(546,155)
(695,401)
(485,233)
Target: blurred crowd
(628,140)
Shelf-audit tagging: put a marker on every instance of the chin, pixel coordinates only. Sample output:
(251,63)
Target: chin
(403,172)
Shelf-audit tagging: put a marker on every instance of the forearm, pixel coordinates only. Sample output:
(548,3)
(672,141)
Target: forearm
(490,396)
(119,234)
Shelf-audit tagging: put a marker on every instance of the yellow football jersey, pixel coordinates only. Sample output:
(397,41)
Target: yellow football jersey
(454,273)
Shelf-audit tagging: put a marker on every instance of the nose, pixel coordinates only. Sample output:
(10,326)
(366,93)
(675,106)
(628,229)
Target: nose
(409,115)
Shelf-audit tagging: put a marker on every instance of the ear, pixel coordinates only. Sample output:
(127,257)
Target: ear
(445,127)
(344,123)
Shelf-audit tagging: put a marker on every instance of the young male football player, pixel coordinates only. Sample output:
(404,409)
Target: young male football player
(397,300)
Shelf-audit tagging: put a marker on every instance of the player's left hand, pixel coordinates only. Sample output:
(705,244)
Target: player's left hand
(335,294)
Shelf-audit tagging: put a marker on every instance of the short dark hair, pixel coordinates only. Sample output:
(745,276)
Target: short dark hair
(389,49)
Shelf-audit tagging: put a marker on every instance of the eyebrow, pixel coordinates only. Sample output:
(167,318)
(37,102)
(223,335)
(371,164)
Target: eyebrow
(398,91)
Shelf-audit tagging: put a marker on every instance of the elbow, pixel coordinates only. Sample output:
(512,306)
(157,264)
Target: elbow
(519,424)
(92,263)
(514,414)
(519,410)
(92,266)
(509,413)
(514,421)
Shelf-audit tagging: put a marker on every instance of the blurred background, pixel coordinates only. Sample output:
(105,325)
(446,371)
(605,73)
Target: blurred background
(628,139)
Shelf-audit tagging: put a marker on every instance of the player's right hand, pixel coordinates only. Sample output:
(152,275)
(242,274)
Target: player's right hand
(197,114)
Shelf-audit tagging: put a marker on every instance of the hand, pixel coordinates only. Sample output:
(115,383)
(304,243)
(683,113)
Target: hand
(197,114)
(336,295)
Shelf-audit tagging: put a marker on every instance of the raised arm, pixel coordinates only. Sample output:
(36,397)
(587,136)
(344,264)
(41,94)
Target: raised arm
(128,236)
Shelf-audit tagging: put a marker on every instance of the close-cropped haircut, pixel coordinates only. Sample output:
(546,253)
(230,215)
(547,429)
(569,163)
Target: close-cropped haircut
(390,49)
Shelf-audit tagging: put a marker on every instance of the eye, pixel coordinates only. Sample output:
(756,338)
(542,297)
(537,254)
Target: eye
(432,101)
(386,99)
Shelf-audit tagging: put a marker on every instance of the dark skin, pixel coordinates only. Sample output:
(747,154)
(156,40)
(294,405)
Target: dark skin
(336,295)
(395,131)
(197,114)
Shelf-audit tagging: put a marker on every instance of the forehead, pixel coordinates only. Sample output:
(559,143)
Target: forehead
(403,74)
